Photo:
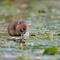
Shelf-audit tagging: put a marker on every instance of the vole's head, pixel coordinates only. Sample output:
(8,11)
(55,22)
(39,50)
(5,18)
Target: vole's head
(22,27)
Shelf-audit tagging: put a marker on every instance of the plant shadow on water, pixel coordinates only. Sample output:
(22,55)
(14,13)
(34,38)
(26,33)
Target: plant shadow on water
(43,42)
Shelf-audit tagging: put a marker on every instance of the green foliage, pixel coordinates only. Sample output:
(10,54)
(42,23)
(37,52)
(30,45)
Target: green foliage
(41,11)
(51,51)
(58,33)
(46,33)
(2,0)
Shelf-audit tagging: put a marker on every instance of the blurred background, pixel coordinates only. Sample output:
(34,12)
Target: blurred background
(24,9)
(43,18)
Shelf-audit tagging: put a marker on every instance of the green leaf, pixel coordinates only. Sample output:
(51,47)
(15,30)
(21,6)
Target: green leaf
(46,33)
(51,51)
(58,33)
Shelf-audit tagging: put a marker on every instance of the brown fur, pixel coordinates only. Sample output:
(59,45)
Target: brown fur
(17,28)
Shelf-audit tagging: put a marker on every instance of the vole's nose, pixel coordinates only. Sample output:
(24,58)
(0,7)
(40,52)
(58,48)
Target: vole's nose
(22,30)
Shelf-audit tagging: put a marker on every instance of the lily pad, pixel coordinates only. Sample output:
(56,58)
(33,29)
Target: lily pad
(51,51)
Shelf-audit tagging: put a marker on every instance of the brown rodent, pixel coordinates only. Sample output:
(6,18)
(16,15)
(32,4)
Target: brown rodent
(17,28)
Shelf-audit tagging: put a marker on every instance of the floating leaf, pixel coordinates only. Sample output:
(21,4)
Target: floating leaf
(41,11)
(47,33)
(32,34)
(54,33)
(38,33)
(52,17)
(8,3)
(51,51)
(58,33)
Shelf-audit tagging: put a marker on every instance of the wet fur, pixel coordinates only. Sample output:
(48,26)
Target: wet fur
(17,28)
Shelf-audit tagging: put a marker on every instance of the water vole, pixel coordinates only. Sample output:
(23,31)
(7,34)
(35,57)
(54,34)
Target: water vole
(17,28)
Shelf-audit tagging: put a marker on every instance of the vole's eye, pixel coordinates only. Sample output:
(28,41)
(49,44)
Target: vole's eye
(22,25)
